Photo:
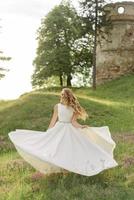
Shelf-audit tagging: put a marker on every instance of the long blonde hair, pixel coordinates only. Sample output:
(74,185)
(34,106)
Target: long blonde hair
(69,99)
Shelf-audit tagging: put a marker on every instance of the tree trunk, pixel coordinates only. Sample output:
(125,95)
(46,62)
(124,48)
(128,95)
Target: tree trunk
(61,81)
(69,78)
(95,44)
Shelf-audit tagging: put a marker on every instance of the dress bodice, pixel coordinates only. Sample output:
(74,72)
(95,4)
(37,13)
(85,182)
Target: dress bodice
(65,113)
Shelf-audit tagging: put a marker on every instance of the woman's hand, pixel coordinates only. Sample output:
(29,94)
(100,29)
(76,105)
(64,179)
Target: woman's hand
(84,126)
(76,124)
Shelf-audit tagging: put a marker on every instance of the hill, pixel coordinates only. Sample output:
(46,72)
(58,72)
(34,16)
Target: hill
(111,104)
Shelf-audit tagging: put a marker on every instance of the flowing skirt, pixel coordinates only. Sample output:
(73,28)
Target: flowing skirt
(86,151)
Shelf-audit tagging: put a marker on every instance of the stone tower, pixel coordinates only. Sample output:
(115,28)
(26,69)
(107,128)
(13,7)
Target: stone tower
(115,55)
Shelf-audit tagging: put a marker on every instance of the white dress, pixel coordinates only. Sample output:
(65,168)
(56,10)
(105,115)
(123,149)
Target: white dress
(86,151)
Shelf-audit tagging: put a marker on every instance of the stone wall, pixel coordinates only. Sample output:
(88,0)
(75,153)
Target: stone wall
(115,54)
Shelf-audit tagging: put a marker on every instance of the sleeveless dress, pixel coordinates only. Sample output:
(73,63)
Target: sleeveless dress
(63,147)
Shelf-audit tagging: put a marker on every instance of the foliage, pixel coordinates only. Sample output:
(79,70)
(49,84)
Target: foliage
(61,50)
(2,69)
(95,17)
(3,58)
(88,9)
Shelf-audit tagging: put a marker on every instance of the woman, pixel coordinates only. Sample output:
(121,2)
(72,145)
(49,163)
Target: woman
(66,144)
(69,99)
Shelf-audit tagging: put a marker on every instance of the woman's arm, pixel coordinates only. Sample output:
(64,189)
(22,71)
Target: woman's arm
(75,123)
(54,116)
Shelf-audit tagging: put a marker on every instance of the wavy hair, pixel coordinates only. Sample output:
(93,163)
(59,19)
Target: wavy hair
(68,98)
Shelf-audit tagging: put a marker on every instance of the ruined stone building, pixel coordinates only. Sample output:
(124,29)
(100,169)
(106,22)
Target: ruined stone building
(115,55)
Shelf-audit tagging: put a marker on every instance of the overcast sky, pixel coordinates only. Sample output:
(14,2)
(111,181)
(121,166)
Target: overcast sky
(19,20)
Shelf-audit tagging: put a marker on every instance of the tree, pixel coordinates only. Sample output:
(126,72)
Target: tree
(94,17)
(3,58)
(2,69)
(61,49)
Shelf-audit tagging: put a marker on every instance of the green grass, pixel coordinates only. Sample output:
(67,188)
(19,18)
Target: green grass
(111,104)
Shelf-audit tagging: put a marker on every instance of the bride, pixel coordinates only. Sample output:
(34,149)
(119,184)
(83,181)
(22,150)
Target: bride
(66,144)
(68,99)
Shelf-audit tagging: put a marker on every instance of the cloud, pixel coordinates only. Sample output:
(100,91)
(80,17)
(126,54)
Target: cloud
(30,8)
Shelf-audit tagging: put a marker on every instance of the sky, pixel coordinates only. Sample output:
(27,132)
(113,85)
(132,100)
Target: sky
(20,20)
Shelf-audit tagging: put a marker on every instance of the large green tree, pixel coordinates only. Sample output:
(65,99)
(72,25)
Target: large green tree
(62,51)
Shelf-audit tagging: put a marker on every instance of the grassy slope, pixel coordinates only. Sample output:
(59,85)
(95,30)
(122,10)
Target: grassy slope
(111,104)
